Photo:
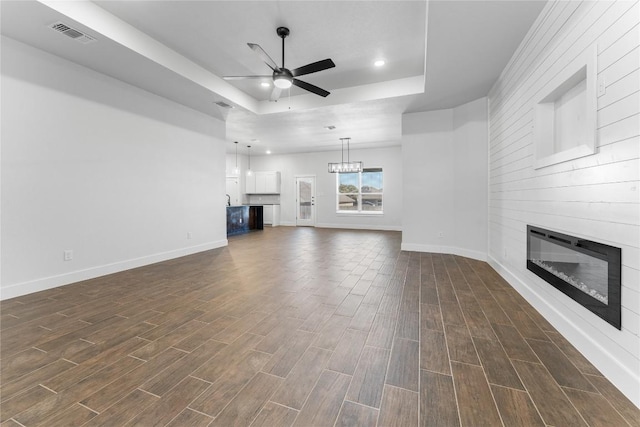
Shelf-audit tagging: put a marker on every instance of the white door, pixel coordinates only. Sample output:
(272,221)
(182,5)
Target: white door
(233,190)
(306,201)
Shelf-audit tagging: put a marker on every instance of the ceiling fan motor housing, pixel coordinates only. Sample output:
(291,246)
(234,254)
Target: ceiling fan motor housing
(282,31)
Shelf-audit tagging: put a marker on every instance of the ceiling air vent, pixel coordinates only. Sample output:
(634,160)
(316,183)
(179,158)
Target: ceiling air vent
(72,33)
(223,104)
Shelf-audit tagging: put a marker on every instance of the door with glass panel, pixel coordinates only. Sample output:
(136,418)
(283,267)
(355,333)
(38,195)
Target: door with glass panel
(305,201)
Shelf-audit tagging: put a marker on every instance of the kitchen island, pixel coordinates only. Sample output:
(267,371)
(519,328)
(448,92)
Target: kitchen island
(244,218)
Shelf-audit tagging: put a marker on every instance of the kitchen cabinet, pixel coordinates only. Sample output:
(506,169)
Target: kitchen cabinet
(250,183)
(271,183)
(271,215)
(263,182)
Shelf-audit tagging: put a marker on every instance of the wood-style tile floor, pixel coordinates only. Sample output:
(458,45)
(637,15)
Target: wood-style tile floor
(296,326)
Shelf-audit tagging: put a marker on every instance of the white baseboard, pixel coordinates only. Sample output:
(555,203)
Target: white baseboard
(624,378)
(467,253)
(361,227)
(45,283)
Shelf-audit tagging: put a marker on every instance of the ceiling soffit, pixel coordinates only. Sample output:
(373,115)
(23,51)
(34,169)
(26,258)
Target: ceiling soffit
(181,49)
(198,67)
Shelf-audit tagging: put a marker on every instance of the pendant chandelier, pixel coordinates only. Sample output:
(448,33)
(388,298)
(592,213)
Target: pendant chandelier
(348,166)
(236,171)
(249,171)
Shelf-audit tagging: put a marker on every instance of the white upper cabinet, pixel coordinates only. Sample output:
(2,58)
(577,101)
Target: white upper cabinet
(271,182)
(263,183)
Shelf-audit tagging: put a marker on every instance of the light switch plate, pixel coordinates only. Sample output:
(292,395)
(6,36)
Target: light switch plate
(602,86)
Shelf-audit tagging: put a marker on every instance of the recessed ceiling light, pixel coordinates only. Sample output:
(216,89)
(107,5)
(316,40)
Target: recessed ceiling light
(265,84)
(268,151)
(379,63)
(330,127)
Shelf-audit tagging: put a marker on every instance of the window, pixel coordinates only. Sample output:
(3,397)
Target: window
(360,192)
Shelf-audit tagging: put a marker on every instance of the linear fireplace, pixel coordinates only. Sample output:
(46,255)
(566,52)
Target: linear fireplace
(586,271)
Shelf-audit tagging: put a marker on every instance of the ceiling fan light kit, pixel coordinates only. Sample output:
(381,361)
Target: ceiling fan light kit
(282,81)
(282,77)
(348,166)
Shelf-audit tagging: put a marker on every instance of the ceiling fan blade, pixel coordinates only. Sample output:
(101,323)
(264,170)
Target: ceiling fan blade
(275,94)
(313,67)
(264,56)
(245,77)
(310,87)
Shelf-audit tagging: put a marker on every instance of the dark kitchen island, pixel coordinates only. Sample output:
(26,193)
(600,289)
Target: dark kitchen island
(242,219)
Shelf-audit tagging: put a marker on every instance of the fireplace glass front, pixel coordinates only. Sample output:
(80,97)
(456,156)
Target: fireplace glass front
(588,272)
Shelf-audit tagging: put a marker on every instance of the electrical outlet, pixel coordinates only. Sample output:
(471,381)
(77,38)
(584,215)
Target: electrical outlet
(68,255)
(440,235)
(189,235)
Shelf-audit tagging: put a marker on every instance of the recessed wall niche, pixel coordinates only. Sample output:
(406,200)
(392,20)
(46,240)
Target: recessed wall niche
(565,113)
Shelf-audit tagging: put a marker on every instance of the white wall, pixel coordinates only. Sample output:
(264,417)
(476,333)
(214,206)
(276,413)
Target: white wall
(290,165)
(594,197)
(444,162)
(470,147)
(93,165)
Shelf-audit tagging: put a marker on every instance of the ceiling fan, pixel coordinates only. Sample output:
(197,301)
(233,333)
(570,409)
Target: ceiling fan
(283,78)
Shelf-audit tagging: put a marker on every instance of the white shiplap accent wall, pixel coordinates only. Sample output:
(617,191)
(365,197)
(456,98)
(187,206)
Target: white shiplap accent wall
(594,197)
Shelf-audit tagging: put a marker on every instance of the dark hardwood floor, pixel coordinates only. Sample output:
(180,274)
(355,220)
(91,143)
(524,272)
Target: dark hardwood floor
(296,326)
